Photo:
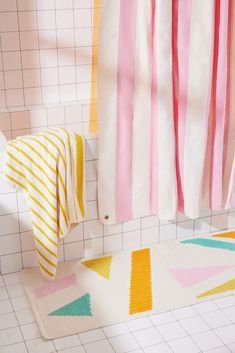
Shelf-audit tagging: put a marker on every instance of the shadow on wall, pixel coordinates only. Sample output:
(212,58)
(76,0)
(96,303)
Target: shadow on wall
(44,60)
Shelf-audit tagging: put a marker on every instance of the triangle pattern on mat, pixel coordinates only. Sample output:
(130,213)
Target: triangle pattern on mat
(224,287)
(210,243)
(225,235)
(101,265)
(190,276)
(78,307)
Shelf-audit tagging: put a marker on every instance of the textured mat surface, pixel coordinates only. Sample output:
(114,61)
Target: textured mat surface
(130,284)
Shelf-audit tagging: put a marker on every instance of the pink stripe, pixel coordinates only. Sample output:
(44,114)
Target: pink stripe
(184,24)
(52,287)
(125,100)
(220,95)
(175,84)
(154,147)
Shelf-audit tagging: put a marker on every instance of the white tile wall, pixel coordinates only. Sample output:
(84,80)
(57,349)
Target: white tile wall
(45,74)
(45,51)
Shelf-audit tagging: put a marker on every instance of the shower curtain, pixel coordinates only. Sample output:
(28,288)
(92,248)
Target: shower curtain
(166,107)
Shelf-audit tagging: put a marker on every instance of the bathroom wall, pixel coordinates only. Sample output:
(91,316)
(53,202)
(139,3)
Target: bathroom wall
(45,74)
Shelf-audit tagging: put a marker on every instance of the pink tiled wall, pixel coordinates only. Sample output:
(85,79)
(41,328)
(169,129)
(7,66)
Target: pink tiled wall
(45,71)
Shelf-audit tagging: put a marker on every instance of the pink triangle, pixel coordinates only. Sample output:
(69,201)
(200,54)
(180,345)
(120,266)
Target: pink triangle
(189,276)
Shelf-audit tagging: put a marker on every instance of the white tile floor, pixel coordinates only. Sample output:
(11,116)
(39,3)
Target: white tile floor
(205,327)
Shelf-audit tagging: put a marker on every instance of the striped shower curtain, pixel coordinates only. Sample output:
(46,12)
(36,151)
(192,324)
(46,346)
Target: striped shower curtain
(166,106)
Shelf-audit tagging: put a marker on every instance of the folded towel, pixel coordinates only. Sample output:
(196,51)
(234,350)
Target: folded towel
(49,167)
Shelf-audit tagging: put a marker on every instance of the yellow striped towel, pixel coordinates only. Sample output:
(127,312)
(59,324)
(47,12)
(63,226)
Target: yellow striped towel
(49,167)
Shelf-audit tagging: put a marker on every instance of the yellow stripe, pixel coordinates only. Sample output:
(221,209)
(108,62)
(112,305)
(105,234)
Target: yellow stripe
(70,150)
(55,135)
(71,170)
(79,171)
(42,207)
(15,170)
(49,140)
(33,161)
(42,145)
(32,197)
(45,258)
(225,235)
(140,286)
(32,172)
(44,246)
(16,182)
(43,220)
(93,123)
(36,201)
(44,269)
(39,155)
(44,233)
(63,211)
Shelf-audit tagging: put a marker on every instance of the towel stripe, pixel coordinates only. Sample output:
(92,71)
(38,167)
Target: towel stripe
(125,97)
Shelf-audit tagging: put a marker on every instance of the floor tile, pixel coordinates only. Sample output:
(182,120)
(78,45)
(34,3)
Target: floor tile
(183,345)
(139,324)
(231,347)
(10,336)
(230,313)
(30,331)
(215,319)
(222,349)
(225,302)
(171,331)
(164,318)
(115,330)
(148,337)
(66,342)
(99,347)
(194,325)
(12,278)
(78,349)
(8,320)
(226,333)
(15,290)
(91,336)
(20,303)
(205,307)
(3,293)
(39,345)
(184,313)
(15,348)
(124,343)
(207,340)
(5,307)
(160,348)
(25,316)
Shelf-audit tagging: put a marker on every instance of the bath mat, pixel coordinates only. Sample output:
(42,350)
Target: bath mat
(132,283)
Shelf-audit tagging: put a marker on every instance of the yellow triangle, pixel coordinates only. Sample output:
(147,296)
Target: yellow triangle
(101,265)
(230,285)
(225,235)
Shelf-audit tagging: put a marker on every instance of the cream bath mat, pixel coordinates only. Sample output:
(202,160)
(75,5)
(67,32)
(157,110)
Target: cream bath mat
(130,284)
